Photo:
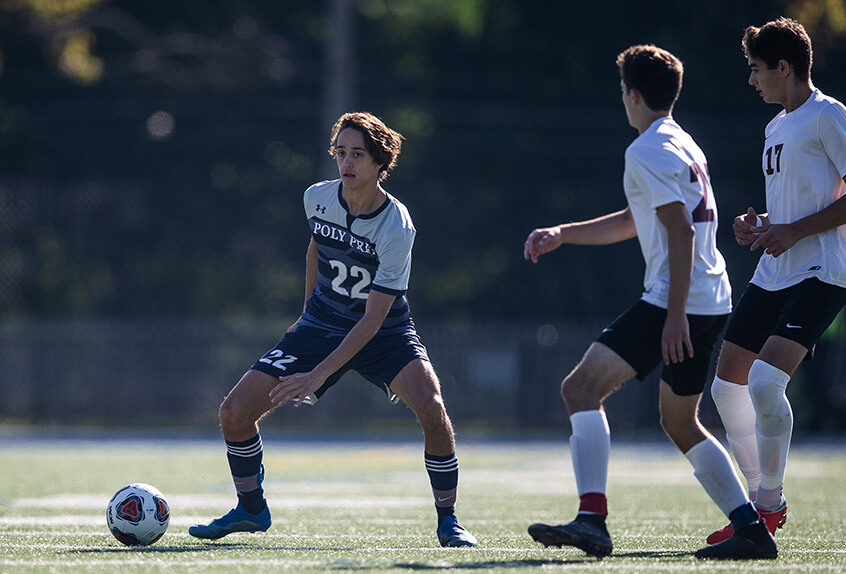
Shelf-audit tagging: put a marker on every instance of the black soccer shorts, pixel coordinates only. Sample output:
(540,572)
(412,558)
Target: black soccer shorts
(636,337)
(800,313)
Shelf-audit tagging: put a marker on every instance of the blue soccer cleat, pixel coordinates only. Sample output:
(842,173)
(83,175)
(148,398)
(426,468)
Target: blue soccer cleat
(236,520)
(452,534)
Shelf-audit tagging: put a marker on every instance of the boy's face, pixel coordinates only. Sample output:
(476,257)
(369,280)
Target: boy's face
(769,83)
(356,166)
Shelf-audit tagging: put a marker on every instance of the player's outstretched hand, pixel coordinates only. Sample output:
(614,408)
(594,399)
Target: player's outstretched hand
(540,241)
(295,388)
(776,239)
(674,338)
(748,226)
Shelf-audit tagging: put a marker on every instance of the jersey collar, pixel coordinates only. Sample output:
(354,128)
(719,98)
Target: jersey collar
(351,217)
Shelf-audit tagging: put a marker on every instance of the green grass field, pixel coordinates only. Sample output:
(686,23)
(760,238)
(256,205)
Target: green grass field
(367,507)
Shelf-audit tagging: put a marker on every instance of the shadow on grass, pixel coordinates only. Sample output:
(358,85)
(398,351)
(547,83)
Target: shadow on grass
(484,565)
(422,565)
(533,563)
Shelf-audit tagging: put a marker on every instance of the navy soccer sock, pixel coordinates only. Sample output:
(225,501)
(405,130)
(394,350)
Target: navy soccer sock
(743,515)
(443,474)
(245,465)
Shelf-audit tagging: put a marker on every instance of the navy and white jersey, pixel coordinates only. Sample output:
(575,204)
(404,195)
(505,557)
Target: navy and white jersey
(664,165)
(357,253)
(804,163)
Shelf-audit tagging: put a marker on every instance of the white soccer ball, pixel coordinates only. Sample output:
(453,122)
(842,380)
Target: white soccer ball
(137,514)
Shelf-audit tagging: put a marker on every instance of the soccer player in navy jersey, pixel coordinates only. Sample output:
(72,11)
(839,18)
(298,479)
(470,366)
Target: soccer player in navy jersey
(356,317)
(685,304)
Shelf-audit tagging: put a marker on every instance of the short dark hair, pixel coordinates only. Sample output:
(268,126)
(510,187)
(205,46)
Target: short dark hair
(782,39)
(383,143)
(654,72)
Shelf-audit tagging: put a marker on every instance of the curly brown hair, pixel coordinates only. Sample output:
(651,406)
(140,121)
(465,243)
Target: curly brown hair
(654,72)
(782,39)
(382,143)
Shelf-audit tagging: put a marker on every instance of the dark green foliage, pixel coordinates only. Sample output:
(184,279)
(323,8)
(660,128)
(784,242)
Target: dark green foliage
(511,112)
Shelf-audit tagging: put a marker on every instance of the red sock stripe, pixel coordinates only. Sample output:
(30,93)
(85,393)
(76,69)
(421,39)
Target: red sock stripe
(594,502)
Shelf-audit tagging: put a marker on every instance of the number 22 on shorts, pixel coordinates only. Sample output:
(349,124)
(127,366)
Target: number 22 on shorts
(278,359)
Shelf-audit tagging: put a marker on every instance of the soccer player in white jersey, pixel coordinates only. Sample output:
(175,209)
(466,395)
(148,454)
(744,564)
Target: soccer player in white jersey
(799,285)
(685,304)
(356,317)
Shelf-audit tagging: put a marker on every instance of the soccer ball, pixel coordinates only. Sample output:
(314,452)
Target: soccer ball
(137,514)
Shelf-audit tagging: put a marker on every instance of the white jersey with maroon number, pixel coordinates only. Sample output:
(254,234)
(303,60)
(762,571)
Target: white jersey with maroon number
(664,165)
(804,163)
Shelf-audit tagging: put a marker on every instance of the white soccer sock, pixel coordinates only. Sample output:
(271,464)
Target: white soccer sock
(713,469)
(590,447)
(738,415)
(774,422)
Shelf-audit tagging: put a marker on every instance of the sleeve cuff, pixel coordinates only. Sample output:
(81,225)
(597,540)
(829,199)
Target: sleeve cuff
(394,292)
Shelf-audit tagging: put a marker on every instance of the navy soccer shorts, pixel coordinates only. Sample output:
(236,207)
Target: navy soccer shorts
(636,337)
(379,361)
(800,313)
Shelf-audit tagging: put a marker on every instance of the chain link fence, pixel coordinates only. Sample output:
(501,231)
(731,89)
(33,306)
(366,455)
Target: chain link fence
(495,378)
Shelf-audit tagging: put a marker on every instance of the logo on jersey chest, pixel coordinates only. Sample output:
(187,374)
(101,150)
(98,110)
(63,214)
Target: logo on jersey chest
(335,233)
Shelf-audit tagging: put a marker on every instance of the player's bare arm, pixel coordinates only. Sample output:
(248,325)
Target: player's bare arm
(680,237)
(610,228)
(311,270)
(303,384)
(310,278)
(777,238)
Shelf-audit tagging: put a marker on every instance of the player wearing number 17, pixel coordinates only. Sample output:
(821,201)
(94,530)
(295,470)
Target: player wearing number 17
(686,301)
(799,285)
(356,317)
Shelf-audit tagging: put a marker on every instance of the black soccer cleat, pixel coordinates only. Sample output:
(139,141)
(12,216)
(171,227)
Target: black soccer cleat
(751,542)
(588,535)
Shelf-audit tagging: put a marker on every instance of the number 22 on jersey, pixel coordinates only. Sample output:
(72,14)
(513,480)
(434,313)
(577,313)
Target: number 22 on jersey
(360,289)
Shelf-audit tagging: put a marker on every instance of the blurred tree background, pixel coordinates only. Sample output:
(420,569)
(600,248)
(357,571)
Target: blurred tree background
(153,155)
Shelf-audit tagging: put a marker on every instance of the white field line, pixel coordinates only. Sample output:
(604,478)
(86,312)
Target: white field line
(77,520)
(103,532)
(81,521)
(95,501)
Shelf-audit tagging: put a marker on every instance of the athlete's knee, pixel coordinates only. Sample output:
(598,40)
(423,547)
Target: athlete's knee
(683,429)
(232,414)
(432,413)
(576,391)
(567,389)
(767,385)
